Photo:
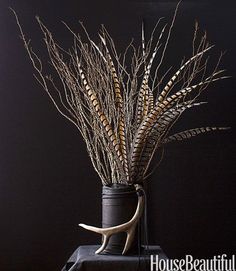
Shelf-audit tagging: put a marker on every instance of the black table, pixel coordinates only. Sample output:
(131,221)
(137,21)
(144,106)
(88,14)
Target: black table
(85,259)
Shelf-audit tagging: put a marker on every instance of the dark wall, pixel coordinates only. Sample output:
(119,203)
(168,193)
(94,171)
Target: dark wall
(47,184)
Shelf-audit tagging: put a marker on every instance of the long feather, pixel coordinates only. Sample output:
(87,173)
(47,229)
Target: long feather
(119,105)
(143,96)
(163,94)
(102,117)
(191,133)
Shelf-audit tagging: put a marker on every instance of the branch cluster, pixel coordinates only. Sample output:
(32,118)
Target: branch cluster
(124,114)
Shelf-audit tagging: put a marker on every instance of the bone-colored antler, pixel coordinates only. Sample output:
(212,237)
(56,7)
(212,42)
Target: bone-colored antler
(128,227)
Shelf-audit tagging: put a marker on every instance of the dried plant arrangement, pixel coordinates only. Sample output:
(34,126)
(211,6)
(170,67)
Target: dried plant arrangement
(123,108)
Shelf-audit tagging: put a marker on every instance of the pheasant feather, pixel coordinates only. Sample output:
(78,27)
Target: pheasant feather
(191,133)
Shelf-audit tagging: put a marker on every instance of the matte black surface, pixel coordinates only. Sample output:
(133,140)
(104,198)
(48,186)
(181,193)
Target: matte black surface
(119,203)
(47,183)
(84,259)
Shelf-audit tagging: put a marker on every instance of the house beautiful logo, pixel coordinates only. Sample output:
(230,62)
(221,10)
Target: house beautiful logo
(217,263)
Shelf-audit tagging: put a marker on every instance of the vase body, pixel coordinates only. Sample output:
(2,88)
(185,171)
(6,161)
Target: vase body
(119,203)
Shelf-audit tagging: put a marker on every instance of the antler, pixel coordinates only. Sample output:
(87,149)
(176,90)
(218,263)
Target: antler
(128,227)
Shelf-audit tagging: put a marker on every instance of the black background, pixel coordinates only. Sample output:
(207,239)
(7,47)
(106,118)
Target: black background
(47,184)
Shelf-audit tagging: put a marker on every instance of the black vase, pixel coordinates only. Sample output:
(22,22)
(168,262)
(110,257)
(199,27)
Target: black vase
(119,203)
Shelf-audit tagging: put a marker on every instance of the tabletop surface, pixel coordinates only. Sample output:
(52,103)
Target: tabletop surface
(85,259)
